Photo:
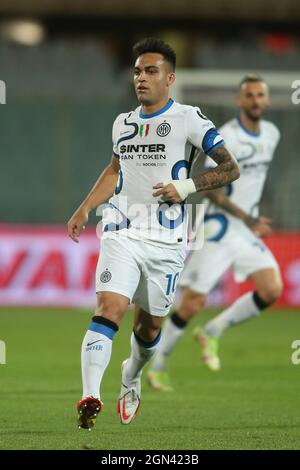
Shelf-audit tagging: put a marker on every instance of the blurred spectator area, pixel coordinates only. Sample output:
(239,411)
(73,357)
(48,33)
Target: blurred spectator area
(65,64)
(216,9)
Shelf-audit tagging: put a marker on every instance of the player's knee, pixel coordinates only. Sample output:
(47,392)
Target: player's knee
(111,308)
(271,293)
(192,303)
(197,303)
(147,333)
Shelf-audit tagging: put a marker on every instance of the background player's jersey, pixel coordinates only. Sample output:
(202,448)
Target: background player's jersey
(254,153)
(155,148)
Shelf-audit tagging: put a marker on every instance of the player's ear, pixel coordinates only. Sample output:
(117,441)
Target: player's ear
(171,78)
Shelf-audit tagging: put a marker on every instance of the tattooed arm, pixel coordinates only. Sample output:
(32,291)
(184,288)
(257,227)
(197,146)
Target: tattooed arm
(226,171)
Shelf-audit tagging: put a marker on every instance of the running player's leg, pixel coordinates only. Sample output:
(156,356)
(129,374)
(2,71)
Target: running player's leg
(268,285)
(117,277)
(97,343)
(256,263)
(96,353)
(144,341)
(198,278)
(174,327)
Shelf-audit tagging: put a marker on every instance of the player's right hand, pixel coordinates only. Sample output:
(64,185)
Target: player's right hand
(77,223)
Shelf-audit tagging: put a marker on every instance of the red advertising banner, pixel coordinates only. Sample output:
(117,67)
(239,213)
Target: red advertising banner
(42,266)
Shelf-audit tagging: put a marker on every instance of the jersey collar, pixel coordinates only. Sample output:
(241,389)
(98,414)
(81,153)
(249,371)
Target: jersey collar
(157,113)
(253,134)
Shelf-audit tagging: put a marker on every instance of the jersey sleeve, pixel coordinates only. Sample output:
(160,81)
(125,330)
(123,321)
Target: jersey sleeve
(224,131)
(201,132)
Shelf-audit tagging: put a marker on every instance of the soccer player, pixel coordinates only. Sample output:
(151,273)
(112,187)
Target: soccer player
(143,244)
(233,231)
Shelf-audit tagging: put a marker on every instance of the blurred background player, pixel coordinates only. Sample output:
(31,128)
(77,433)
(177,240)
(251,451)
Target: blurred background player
(233,230)
(142,257)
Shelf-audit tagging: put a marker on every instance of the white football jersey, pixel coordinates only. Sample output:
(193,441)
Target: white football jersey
(254,153)
(155,148)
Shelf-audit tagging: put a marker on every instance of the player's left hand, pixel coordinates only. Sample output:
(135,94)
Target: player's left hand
(168,193)
(263,227)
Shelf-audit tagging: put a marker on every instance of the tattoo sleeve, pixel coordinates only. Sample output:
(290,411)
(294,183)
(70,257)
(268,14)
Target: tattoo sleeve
(226,171)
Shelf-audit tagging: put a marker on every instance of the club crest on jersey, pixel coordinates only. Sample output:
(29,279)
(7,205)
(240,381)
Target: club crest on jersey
(163,129)
(105,276)
(144,130)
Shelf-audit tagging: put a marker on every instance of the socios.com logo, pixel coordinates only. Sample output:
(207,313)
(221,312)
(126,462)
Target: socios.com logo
(2,92)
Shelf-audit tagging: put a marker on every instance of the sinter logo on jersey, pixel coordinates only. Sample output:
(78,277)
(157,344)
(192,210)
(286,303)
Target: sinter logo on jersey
(163,129)
(143,152)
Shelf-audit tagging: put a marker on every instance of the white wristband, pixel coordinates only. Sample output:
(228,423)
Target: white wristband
(183,187)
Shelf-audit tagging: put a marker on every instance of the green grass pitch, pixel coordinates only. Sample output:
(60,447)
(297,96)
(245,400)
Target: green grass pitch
(252,403)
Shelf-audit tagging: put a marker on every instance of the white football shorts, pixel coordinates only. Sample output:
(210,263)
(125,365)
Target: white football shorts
(145,273)
(244,253)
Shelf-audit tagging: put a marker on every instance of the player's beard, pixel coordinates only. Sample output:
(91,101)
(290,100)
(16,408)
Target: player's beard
(254,118)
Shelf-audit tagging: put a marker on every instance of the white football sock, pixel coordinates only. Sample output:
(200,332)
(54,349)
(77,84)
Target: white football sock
(95,356)
(141,353)
(242,309)
(171,334)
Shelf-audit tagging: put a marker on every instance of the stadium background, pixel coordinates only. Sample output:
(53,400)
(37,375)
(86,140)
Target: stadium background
(66,65)
(68,75)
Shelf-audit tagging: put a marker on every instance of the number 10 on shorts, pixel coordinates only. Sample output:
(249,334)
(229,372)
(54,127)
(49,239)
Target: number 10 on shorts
(172,279)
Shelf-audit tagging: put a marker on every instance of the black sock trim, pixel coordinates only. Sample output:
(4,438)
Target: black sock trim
(179,322)
(147,344)
(105,322)
(259,302)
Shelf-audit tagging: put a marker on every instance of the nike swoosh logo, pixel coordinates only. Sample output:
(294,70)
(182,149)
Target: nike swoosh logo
(90,344)
(125,416)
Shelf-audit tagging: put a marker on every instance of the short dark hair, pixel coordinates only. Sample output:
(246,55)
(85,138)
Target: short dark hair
(251,78)
(156,45)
